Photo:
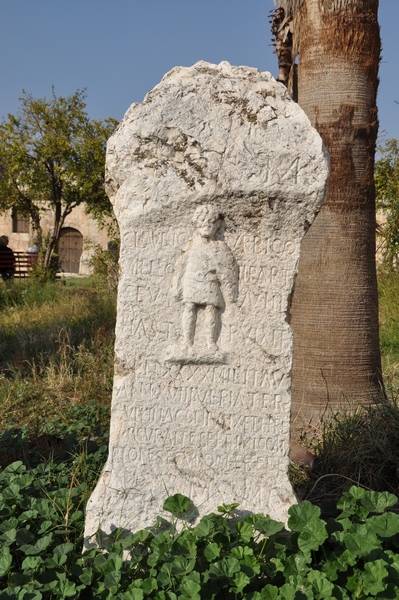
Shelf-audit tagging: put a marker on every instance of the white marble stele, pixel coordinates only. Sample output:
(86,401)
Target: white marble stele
(215,178)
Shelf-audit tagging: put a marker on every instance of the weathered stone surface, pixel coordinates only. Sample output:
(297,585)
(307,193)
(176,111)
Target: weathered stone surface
(214,178)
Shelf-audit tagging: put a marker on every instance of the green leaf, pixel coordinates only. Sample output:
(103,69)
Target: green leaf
(320,584)
(132,593)
(8,537)
(28,515)
(212,551)
(87,576)
(112,579)
(66,588)
(362,542)
(312,536)
(31,562)
(302,514)
(287,592)
(296,564)
(385,526)
(5,561)
(149,585)
(13,468)
(177,505)
(45,526)
(279,566)
(185,543)
(77,515)
(39,547)
(205,526)
(270,592)
(241,552)
(7,524)
(228,508)
(25,480)
(11,492)
(374,574)
(245,530)
(226,567)
(349,500)
(64,548)
(182,565)
(140,536)
(378,501)
(114,562)
(56,560)
(342,563)
(240,582)
(31,594)
(190,589)
(266,525)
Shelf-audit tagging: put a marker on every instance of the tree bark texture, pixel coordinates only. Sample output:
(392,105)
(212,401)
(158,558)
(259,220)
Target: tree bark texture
(335,305)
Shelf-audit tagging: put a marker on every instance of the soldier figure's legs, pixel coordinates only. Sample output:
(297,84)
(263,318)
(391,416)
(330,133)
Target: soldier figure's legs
(212,325)
(189,319)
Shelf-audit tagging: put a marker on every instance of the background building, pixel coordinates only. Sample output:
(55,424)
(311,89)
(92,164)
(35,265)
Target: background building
(79,235)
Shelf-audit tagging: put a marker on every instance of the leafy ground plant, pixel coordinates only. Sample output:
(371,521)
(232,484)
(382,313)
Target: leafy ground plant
(41,523)
(352,553)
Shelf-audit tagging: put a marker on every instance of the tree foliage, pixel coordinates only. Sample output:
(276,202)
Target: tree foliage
(52,156)
(387,192)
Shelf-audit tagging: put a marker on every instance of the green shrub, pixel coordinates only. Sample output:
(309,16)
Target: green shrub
(41,523)
(388,288)
(105,265)
(387,194)
(351,552)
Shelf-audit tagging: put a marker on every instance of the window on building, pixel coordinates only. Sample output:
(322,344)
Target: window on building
(20,223)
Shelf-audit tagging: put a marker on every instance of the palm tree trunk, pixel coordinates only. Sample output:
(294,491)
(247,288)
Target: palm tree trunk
(335,306)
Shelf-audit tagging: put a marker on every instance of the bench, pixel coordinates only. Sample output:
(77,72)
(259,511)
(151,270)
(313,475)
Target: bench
(23,263)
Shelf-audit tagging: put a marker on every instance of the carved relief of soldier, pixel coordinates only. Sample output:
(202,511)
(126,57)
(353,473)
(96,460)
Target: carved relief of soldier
(205,277)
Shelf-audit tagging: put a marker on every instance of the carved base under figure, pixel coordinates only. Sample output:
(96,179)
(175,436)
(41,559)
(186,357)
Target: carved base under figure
(193,355)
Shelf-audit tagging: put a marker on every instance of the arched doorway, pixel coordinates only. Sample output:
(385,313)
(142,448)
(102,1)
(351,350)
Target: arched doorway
(70,248)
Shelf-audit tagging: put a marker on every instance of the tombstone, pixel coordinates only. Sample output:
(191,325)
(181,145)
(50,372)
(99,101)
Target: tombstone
(215,178)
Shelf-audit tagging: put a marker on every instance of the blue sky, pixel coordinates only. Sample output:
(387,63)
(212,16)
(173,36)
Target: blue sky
(120,49)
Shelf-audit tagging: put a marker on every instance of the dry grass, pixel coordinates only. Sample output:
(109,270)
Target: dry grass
(56,366)
(361,443)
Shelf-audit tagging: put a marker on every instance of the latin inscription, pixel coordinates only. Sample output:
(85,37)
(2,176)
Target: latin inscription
(276,379)
(207,417)
(143,239)
(226,399)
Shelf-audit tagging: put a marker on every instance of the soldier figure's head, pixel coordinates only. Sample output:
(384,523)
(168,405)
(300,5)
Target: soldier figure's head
(207,220)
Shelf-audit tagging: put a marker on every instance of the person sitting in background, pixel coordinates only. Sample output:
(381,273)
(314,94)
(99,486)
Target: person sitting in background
(7,259)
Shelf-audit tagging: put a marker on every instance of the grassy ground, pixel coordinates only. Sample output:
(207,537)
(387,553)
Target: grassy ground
(361,446)
(56,369)
(389,329)
(56,365)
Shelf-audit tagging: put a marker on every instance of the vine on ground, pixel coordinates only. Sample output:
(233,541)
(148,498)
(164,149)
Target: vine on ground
(349,552)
